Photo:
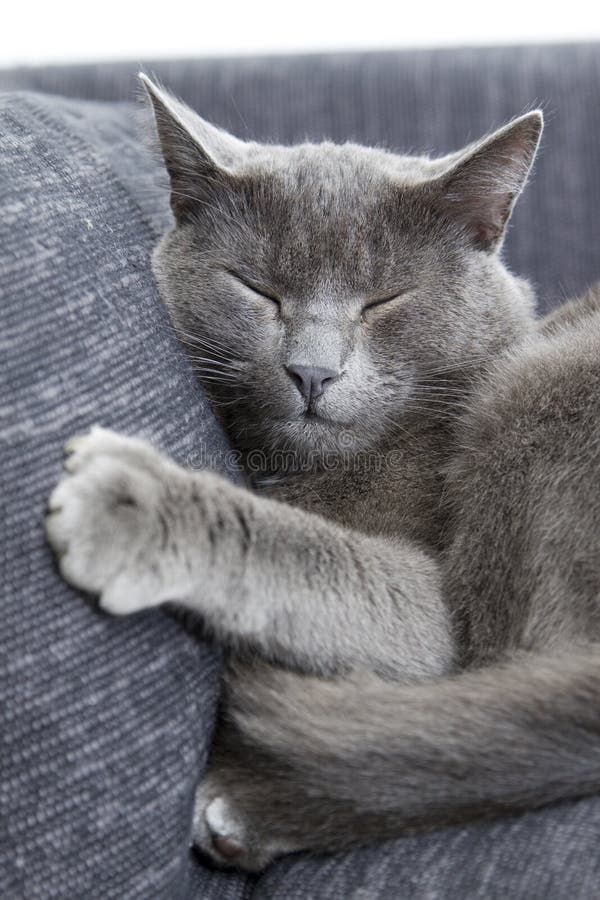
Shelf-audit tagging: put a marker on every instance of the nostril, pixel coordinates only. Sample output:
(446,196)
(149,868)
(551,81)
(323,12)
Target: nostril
(311,381)
(301,378)
(320,384)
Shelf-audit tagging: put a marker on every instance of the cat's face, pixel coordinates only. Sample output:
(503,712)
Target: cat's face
(324,292)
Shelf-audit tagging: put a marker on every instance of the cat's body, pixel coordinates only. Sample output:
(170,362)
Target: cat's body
(524,481)
(419,569)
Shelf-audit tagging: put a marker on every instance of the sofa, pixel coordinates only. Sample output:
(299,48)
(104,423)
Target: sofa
(106,723)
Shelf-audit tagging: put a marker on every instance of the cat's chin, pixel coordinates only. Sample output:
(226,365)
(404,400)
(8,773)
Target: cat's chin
(300,442)
(317,437)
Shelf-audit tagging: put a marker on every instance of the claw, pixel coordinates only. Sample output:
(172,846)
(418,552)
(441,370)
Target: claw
(70,465)
(74,442)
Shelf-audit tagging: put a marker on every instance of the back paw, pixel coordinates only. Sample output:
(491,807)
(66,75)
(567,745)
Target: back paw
(224,834)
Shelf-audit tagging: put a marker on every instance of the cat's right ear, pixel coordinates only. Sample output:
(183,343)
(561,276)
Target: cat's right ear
(199,157)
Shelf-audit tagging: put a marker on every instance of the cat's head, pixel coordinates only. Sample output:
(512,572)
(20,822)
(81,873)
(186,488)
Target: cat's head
(322,289)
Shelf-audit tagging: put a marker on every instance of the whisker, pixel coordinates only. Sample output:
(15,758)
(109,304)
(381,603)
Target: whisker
(219,353)
(215,402)
(222,366)
(473,362)
(217,379)
(201,340)
(222,376)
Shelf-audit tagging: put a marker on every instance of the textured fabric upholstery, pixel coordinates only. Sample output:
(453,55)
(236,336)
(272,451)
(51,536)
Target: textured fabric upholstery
(419,100)
(550,855)
(105,723)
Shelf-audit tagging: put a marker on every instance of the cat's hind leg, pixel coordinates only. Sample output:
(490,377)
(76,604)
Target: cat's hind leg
(306,763)
(251,806)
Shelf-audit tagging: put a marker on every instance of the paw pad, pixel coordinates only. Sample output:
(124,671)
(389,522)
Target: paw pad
(227,847)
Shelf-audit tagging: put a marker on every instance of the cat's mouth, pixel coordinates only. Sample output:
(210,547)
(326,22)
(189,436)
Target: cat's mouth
(311,415)
(313,412)
(309,418)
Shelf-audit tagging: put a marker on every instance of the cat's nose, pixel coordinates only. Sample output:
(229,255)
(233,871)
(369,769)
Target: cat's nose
(311,381)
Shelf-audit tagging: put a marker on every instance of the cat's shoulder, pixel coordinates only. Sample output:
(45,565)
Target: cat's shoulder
(543,393)
(572,314)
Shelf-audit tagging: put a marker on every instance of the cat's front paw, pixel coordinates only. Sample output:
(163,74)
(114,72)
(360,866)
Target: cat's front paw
(106,522)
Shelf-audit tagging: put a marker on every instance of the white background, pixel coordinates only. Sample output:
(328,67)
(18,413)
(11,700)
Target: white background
(55,31)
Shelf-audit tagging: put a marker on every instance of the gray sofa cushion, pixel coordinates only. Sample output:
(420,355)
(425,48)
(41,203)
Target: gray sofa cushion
(105,722)
(547,855)
(424,100)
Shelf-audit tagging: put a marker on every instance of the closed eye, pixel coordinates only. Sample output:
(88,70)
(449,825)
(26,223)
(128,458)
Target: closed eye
(381,301)
(255,288)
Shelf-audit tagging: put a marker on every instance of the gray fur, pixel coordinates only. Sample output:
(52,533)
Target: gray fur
(418,569)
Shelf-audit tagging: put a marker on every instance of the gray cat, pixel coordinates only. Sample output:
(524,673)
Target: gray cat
(410,595)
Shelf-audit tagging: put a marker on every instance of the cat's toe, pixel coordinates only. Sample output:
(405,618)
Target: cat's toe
(103,442)
(217,832)
(221,834)
(82,448)
(225,831)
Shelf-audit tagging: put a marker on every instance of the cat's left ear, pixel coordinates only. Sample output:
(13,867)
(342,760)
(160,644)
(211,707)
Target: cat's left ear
(200,158)
(480,187)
